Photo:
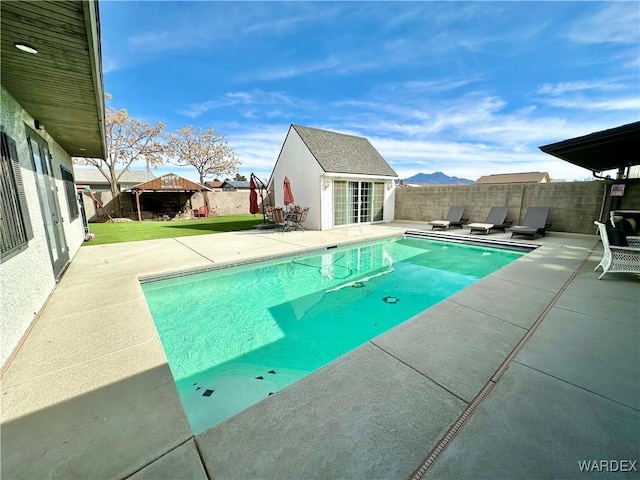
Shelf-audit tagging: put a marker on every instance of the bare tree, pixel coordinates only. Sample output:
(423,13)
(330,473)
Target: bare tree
(128,140)
(207,152)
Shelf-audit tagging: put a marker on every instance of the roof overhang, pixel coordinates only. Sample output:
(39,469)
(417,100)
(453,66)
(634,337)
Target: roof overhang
(600,151)
(61,86)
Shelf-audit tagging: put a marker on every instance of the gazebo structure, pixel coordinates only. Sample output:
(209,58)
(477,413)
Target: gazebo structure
(168,193)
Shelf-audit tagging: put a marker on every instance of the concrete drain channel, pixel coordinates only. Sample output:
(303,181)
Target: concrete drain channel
(471,408)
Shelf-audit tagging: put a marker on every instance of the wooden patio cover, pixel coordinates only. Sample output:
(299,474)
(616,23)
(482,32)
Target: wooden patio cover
(169,183)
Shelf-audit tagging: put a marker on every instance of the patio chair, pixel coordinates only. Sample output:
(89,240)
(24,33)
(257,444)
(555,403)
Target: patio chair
(201,212)
(453,219)
(535,221)
(279,220)
(299,218)
(268,211)
(618,258)
(496,220)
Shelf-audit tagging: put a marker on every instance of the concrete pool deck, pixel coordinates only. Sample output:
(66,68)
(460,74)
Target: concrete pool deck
(537,367)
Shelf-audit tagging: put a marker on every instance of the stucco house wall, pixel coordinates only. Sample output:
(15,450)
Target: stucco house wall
(27,279)
(297,163)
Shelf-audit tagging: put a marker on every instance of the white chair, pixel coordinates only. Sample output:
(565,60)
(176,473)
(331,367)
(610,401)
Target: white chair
(618,259)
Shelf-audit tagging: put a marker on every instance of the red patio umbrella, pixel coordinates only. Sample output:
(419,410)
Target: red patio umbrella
(288,194)
(253,197)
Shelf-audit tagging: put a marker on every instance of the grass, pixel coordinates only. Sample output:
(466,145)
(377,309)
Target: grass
(152,230)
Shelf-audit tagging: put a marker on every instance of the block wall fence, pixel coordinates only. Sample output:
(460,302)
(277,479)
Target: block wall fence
(574,205)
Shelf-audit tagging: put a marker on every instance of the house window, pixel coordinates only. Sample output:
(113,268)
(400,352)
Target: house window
(70,190)
(15,227)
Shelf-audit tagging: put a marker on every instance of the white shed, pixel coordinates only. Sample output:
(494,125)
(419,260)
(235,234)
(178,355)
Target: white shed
(341,178)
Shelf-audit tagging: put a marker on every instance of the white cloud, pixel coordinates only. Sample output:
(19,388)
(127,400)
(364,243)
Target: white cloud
(469,160)
(578,86)
(230,99)
(257,147)
(615,22)
(629,104)
(290,71)
(110,64)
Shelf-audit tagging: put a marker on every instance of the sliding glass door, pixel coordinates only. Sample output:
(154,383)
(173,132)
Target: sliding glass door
(357,202)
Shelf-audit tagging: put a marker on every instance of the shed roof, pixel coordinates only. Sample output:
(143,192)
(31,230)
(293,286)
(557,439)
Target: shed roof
(341,153)
(170,183)
(93,175)
(526,177)
(605,150)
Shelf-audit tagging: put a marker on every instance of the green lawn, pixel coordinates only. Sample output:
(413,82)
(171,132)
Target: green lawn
(151,230)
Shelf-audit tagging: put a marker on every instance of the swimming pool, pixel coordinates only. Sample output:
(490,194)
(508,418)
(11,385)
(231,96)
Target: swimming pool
(233,336)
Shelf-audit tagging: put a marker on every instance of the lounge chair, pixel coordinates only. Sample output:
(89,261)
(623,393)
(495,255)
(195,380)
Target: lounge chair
(618,258)
(496,220)
(453,219)
(535,221)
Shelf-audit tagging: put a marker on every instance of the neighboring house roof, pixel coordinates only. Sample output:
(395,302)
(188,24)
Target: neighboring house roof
(527,177)
(341,153)
(214,184)
(236,184)
(93,176)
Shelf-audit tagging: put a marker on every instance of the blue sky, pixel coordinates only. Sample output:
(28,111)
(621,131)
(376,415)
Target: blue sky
(466,88)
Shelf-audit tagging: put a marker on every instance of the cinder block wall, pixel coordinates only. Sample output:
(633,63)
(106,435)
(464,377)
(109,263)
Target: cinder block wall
(631,198)
(574,205)
(224,203)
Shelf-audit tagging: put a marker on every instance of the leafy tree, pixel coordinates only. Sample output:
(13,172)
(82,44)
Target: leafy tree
(207,152)
(240,178)
(128,140)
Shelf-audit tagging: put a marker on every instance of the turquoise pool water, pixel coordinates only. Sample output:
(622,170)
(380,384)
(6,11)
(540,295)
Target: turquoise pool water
(234,336)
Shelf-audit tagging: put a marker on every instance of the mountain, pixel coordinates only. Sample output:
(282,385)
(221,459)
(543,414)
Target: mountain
(437,178)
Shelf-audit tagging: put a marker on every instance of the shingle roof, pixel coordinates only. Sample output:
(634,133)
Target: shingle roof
(236,183)
(527,177)
(93,175)
(340,153)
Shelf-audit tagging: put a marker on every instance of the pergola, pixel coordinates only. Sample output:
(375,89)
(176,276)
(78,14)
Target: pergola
(167,184)
(615,148)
